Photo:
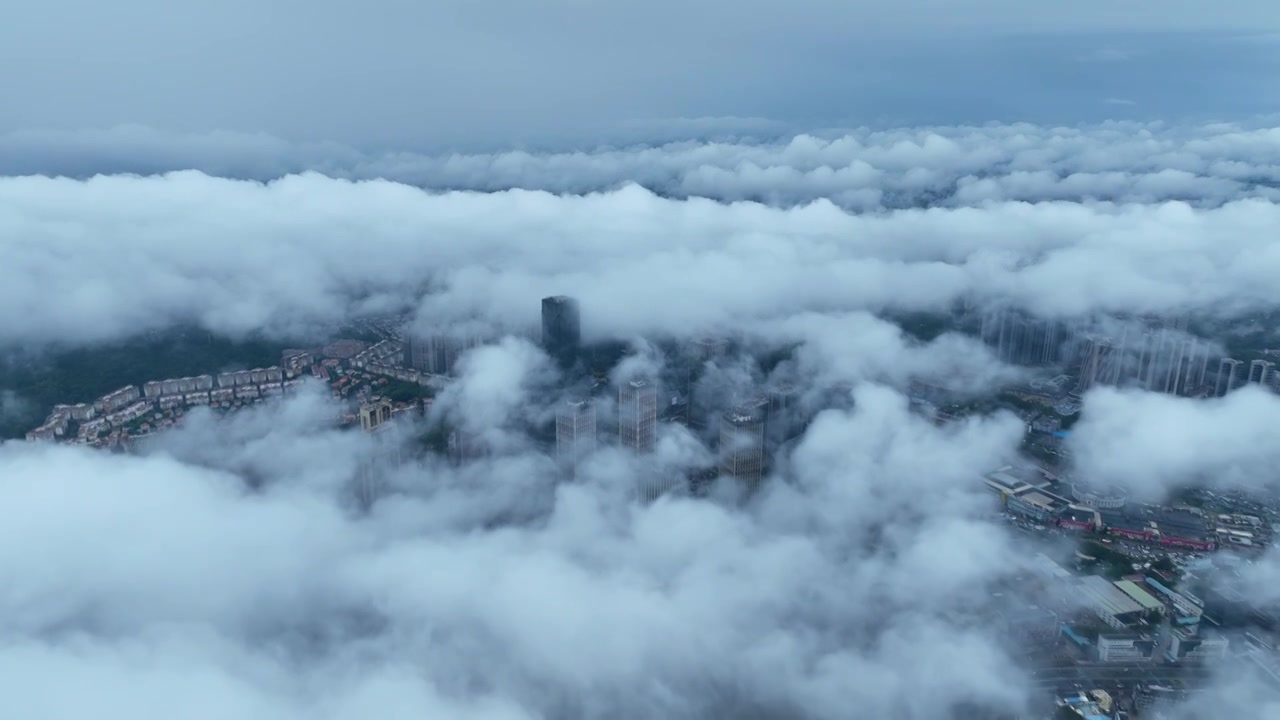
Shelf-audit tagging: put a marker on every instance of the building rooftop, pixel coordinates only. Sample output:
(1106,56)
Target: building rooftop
(1140,596)
(1013,480)
(1182,522)
(1086,707)
(1123,636)
(1101,490)
(1124,521)
(1004,482)
(1048,502)
(1107,596)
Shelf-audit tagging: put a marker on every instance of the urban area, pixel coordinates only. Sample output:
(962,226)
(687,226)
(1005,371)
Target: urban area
(1134,615)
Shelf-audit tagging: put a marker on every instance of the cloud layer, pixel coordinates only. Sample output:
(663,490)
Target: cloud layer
(164,583)
(227,564)
(1156,443)
(1172,224)
(861,169)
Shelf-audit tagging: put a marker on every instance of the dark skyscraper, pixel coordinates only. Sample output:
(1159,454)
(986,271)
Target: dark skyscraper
(561,329)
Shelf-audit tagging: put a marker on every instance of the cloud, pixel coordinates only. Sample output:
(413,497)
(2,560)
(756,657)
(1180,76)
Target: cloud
(205,569)
(112,256)
(1241,692)
(490,399)
(1156,443)
(836,349)
(859,169)
(1260,578)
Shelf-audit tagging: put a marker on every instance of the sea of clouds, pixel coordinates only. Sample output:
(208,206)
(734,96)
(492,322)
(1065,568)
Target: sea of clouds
(223,570)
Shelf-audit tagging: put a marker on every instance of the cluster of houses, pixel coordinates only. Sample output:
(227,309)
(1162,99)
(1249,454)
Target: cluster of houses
(86,422)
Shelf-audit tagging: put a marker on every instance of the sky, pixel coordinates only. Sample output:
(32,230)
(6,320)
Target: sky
(400,75)
(798,176)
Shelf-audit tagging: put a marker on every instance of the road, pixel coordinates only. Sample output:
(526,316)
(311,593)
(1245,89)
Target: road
(1089,675)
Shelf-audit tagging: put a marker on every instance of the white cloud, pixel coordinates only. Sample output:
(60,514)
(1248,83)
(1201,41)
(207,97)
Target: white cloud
(861,169)
(163,577)
(1156,443)
(110,256)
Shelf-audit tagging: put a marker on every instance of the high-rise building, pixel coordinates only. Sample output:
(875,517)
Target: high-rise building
(760,405)
(373,469)
(561,329)
(1200,363)
(782,422)
(1145,364)
(575,433)
(1174,361)
(1017,338)
(1151,353)
(1165,359)
(652,484)
(637,415)
(700,397)
(674,409)
(1228,375)
(437,354)
(418,355)
(1186,362)
(374,413)
(709,348)
(742,445)
(1166,363)
(1262,372)
(1101,365)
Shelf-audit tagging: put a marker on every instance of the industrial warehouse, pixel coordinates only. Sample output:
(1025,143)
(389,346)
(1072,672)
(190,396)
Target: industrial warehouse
(1038,496)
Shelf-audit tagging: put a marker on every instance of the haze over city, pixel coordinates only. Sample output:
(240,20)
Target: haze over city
(516,361)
